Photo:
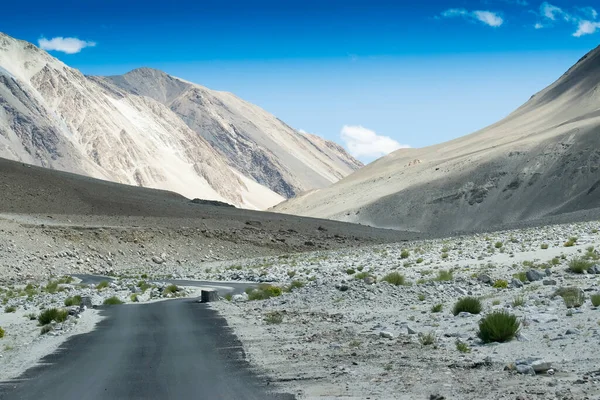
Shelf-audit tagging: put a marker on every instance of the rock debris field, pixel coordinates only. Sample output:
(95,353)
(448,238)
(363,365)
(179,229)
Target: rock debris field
(378,322)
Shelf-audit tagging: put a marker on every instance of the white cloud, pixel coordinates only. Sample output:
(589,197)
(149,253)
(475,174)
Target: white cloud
(489,18)
(538,26)
(589,11)
(66,45)
(551,12)
(586,28)
(363,142)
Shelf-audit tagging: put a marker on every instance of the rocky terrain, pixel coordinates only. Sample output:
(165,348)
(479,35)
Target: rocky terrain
(343,332)
(538,165)
(149,129)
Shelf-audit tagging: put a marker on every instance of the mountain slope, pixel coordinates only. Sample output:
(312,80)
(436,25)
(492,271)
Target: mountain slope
(541,161)
(255,142)
(53,116)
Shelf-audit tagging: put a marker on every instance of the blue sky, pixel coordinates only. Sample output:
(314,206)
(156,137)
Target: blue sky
(372,75)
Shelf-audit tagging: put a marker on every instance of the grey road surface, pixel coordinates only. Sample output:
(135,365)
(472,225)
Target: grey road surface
(176,349)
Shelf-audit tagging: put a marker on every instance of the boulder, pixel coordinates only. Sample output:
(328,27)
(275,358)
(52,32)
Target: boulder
(534,275)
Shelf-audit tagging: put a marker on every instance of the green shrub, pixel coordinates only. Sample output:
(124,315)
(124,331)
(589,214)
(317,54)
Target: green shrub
(133,298)
(112,301)
(295,285)
(427,339)
(394,278)
(499,326)
(73,301)
(144,276)
(350,271)
(595,299)
(518,301)
(228,296)
(52,314)
(143,285)
(496,302)
(579,265)
(544,246)
(444,256)
(274,318)
(444,275)
(1,333)
(291,274)
(421,297)
(264,292)
(501,284)
(102,285)
(171,289)
(31,316)
(462,347)
(10,309)
(404,254)
(360,268)
(522,276)
(419,260)
(571,242)
(437,308)
(498,245)
(467,304)
(51,287)
(66,279)
(572,296)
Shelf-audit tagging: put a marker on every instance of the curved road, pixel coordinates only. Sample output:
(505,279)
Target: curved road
(175,349)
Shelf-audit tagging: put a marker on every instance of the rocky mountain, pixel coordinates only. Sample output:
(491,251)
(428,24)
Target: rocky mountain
(149,129)
(542,162)
(255,142)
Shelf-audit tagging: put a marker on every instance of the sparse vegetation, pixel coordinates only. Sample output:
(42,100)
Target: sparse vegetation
(274,317)
(437,308)
(143,285)
(263,292)
(444,255)
(444,276)
(498,245)
(350,271)
(501,284)
(572,296)
(522,276)
(45,329)
(51,287)
(133,298)
(419,260)
(421,297)
(10,309)
(544,246)
(295,285)
(462,347)
(467,304)
(73,301)
(171,289)
(112,301)
(595,299)
(427,339)
(31,316)
(579,265)
(518,301)
(499,326)
(394,278)
(496,302)
(228,297)
(102,285)
(571,242)
(52,314)
(1,333)
(404,254)
(363,275)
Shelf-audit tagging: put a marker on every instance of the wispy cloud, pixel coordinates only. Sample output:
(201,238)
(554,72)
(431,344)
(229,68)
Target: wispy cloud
(488,18)
(67,45)
(363,142)
(584,18)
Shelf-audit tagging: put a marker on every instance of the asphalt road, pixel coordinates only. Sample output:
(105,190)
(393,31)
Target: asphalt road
(176,349)
(222,287)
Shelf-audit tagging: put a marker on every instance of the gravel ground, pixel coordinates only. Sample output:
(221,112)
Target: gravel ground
(348,338)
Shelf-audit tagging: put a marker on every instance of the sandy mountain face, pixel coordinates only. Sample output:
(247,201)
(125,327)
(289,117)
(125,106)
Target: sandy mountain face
(541,162)
(153,135)
(254,142)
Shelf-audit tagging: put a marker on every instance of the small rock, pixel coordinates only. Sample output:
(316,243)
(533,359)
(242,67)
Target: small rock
(572,331)
(548,271)
(594,269)
(342,288)
(534,275)
(410,331)
(369,280)
(157,260)
(464,314)
(483,278)
(515,283)
(549,282)
(386,334)
(436,397)
(525,369)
